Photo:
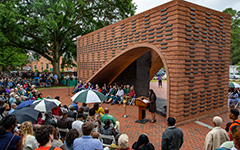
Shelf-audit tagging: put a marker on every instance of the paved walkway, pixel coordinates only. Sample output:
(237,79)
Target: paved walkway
(194,134)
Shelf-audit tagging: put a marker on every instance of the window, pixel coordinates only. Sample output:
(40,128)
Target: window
(35,67)
(47,66)
(42,68)
(51,69)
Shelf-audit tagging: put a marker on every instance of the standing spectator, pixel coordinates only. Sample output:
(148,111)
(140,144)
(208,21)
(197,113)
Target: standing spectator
(55,78)
(8,139)
(86,142)
(159,81)
(29,141)
(233,115)
(152,108)
(44,136)
(123,142)
(216,136)
(172,138)
(143,143)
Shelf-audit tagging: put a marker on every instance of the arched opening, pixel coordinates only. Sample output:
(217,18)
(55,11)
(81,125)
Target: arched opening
(117,67)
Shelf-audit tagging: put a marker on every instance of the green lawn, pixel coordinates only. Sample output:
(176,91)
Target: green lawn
(54,87)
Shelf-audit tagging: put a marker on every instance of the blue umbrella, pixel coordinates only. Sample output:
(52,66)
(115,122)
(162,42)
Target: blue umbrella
(25,104)
(36,78)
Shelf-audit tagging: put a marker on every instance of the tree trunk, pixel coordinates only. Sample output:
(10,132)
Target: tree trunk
(56,68)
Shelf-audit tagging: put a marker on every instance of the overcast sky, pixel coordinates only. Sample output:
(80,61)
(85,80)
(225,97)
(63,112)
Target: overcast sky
(220,5)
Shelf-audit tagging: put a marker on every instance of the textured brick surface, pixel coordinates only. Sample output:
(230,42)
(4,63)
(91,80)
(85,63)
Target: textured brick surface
(191,41)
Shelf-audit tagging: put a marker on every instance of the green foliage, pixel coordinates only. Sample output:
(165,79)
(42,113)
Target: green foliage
(235,35)
(45,70)
(50,27)
(12,58)
(36,70)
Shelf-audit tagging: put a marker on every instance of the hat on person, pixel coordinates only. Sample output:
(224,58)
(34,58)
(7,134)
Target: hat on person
(217,120)
(123,141)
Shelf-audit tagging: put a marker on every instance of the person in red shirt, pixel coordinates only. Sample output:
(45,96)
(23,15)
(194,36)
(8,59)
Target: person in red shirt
(57,110)
(25,85)
(44,136)
(130,95)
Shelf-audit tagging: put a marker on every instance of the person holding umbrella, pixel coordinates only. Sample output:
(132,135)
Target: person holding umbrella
(7,138)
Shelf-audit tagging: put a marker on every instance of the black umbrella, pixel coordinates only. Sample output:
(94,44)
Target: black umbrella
(26,114)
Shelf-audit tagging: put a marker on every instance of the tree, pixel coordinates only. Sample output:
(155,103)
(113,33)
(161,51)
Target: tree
(235,35)
(50,27)
(11,58)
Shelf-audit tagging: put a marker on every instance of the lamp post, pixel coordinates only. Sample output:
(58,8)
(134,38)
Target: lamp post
(124,105)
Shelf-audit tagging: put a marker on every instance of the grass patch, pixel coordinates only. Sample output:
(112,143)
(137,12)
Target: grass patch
(54,87)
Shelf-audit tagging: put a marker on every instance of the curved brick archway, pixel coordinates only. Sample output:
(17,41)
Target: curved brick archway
(118,64)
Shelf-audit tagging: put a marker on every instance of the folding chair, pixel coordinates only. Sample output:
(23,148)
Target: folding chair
(132,100)
(110,137)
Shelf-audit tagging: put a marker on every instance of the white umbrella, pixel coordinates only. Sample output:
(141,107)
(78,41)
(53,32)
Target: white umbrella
(233,85)
(88,96)
(45,105)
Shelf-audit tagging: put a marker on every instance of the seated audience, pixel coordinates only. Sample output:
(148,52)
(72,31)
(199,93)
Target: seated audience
(143,143)
(123,142)
(98,110)
(70,137)
(111,94)
(29,141)
(56,142)
(236,140)
(86,141)
(233,115)
(7,126)
(119,96)
(49,120)
(229,144)
(234,99)
(129,95)
(107,129)
(94,119)
(40,120)
(13,107)
(44,136)
(75,104)
(114,146)
(64,123)
(107,116)
(57,110)
(72,113)
(104,91)
(78,123)
(86,108)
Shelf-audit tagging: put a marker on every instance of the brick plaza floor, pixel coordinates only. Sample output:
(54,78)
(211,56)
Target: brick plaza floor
(194,134)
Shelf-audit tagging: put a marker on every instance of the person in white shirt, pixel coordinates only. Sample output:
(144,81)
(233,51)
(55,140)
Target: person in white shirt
(78,124)
(118,96)
(216,136)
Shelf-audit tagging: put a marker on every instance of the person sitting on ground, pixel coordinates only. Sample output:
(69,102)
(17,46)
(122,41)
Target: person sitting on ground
(234,99)
(78,123)
(86,141)
(64,123)
(13,107)
(216,136)
(107,129)
(233,115)
(119,96)
(56,142)
(229,144)
(8,139)
(86,108)
(29,141)
(70,137)
(49,120)
(143,143)
(123,142)
(98,110)
(107,116)
(72,113)
(44,136)
(57,110)
(130,95)
(111,94)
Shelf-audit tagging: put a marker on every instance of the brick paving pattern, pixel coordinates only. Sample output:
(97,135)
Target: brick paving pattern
(194,134)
